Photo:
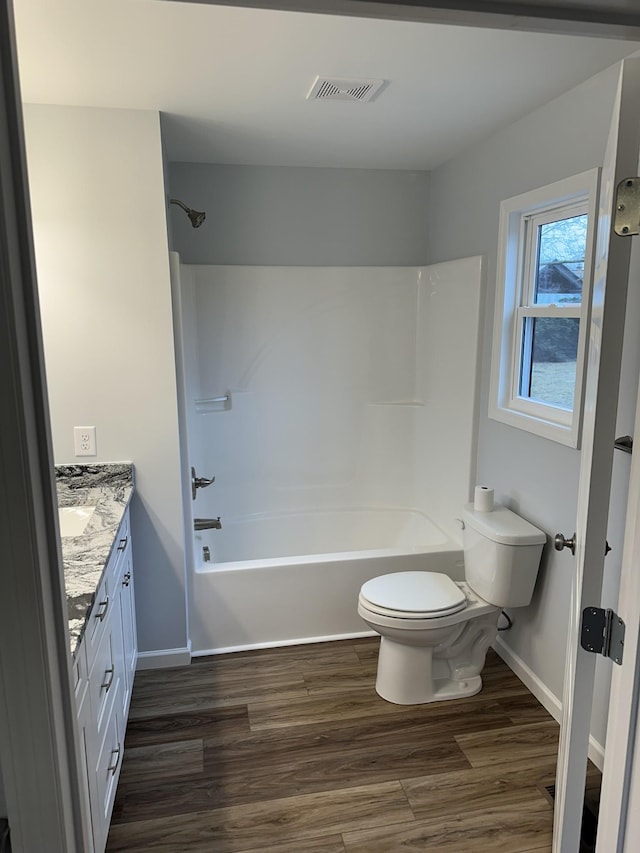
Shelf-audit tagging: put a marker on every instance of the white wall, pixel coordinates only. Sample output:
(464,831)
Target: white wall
(102,261)
(319,361)
(350,386)
(449,332)
(267,215)
(532,475)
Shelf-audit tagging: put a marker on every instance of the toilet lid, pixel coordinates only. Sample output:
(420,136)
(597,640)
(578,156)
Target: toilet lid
(418,594)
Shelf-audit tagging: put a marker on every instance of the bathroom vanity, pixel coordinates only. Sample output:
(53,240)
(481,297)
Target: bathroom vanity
(96,550)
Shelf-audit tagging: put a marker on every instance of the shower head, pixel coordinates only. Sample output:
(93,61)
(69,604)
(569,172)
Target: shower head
(196,217)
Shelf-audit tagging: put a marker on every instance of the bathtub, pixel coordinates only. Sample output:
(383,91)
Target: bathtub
(293,577)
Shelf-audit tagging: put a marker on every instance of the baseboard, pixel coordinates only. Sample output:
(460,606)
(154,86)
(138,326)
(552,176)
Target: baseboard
(542,693)
(278,643)
(529,679)
(164,658)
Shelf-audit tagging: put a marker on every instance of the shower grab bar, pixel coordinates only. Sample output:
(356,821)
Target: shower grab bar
(224,399)
(213,404)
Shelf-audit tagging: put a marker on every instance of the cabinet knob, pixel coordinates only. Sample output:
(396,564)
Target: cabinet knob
(126,578)
(123,543)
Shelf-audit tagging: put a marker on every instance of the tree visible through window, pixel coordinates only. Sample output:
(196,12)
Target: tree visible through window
(542,307)
(549,370)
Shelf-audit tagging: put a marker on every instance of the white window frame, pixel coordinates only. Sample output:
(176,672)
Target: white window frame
(514,302)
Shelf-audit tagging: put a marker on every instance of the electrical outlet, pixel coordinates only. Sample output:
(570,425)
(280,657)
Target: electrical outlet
(84,440)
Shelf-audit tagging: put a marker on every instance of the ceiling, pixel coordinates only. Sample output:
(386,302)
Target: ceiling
(232,82)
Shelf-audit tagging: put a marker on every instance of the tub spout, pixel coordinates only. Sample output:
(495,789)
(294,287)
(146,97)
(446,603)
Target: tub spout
(207,523)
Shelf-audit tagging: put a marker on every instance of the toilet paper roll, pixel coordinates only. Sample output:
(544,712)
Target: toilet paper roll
(483,499)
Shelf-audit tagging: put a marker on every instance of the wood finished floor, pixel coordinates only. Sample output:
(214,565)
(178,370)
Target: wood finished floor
(291,751)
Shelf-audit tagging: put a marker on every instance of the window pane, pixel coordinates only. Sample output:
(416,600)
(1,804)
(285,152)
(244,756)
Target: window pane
(560,261)
(550,349)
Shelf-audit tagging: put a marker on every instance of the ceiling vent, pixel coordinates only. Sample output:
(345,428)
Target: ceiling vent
(344,89)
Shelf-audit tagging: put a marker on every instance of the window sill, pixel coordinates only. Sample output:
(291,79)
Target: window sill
(561,434)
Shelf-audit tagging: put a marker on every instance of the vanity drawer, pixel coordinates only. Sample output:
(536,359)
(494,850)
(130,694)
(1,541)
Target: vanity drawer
(108,767)
(105,773)
(107,591)
(99,618)
(106,674)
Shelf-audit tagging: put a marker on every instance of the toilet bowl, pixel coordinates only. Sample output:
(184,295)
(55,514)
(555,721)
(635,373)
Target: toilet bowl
(434,631)
(427,655)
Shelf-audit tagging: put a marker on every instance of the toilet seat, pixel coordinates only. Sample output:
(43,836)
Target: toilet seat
(413,595)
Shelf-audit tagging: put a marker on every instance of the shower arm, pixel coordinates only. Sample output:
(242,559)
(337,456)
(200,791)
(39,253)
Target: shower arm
(181,204)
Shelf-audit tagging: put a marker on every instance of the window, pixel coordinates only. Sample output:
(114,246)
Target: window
(545,268)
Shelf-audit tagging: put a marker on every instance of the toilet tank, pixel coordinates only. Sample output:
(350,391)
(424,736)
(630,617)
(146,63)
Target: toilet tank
(501,555)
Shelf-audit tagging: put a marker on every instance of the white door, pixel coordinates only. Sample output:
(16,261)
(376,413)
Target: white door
(619,823)
(603,372)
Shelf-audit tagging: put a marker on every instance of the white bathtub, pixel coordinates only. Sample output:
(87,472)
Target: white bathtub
(283,578)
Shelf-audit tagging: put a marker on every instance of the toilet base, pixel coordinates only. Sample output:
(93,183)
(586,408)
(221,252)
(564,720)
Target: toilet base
(408,675)
(432,659)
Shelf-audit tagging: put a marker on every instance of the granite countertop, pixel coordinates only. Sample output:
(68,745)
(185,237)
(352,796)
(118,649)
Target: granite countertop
(109,488)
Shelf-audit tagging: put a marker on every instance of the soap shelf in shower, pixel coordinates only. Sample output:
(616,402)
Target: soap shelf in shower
(213,404)
(414,404)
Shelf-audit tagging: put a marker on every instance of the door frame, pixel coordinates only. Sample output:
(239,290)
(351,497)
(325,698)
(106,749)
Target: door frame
(37,708)
(590,18)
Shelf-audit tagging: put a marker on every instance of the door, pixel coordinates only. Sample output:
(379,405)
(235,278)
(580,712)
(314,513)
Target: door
(619,823)
(598,434)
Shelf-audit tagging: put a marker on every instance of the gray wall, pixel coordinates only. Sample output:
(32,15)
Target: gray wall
(532,475)
(300,217)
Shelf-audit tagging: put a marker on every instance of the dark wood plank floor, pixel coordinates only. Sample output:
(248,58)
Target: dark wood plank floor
(291,751)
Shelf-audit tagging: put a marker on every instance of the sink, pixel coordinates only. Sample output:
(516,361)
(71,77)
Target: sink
(74,519)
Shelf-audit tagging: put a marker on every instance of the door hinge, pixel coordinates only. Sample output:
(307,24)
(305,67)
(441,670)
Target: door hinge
(626,219)
(602,633)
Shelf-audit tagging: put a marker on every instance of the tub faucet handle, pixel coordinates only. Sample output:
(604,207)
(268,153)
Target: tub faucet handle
(199,482)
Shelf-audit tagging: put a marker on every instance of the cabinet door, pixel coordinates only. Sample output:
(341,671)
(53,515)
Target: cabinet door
(105,772)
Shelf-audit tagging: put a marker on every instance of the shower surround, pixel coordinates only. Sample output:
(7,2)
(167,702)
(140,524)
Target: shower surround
(335,407)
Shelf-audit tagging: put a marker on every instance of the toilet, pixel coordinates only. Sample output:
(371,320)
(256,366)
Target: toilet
(434,631)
